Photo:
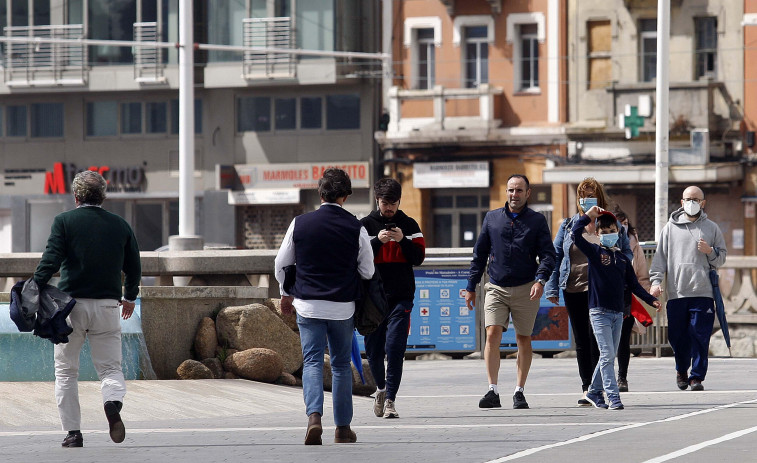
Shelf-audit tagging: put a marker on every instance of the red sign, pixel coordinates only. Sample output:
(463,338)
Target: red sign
(124,178)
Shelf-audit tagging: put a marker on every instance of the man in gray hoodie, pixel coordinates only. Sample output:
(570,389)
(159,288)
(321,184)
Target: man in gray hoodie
(689,246)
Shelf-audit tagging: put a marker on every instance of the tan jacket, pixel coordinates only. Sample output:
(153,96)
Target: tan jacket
(639,263)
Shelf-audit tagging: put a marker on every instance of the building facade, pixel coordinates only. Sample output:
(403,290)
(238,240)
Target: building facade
(611,123)
(265,123)
(477,94)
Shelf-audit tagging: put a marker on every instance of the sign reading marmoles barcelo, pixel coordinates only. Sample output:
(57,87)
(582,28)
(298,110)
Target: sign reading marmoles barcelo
(298,175)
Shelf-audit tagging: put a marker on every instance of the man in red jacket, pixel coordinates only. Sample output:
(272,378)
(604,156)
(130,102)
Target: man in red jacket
(398,245)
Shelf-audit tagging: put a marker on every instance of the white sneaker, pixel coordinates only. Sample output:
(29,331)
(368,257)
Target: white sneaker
(378,403)
(389,410)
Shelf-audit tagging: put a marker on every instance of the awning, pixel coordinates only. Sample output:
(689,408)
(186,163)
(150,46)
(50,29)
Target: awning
(645,174)
(265,196)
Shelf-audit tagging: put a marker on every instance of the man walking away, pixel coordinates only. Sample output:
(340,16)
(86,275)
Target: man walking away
(92,248)
(398,245)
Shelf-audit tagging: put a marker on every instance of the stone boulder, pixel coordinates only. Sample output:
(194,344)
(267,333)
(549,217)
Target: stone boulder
(287,380)
(192,369)
(206,339)
(256,326)
(257,364)
(290,319)
(214,365)
(358,388)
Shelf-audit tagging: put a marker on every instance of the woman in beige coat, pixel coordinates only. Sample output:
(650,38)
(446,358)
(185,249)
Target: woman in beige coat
(639,263)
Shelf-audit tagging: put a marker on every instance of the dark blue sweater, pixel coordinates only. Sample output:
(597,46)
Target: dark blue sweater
(609,273)
(511,245)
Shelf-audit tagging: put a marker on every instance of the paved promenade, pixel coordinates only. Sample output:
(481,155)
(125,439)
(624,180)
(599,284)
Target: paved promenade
(241,421)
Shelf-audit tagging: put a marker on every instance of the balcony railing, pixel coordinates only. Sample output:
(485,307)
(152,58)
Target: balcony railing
(435,117)
(148,61)
(270,33)
(45,64)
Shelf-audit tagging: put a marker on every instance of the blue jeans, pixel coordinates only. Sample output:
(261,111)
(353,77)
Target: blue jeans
(690,321)
(314,333)
(390,340)
(607,326)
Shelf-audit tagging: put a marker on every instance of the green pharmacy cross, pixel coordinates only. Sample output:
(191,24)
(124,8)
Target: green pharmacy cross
(632,122)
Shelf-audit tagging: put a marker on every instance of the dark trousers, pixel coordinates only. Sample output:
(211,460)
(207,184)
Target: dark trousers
(690,321)
(587,352)
(390,341)
(624,349)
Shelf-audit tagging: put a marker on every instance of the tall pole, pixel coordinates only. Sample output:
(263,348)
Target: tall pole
(386,48)
(662,139)
(186,121)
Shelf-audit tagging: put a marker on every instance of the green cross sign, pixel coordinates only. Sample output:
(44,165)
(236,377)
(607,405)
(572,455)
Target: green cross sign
(633,122)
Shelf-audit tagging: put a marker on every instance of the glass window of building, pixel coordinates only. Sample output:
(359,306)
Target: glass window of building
(648,45)
(457,217)
(16,121)
(225,27)
(111,20)
(1,121)
(286,113)
(156,117)
(342,112)
(102,118)
(706,31)
(315,25)
(175,116)
(253,114)
(529,57)
(476,56)
(311,116)
(426,70)
(131,118)
(41,10)
(46,120)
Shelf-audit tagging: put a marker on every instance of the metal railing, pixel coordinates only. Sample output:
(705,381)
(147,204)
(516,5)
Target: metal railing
(148,61)
(272,33)
(37,63)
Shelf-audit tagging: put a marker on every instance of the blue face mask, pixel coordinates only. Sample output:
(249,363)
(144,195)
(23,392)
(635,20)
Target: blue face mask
(587,203)
(608,240)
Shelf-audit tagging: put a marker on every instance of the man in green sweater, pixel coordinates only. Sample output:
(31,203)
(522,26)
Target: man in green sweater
(92,247)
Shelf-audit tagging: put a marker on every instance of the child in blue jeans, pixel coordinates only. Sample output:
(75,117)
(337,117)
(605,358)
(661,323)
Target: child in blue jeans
(609,272)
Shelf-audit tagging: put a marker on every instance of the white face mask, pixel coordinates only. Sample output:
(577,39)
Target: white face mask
(691,208)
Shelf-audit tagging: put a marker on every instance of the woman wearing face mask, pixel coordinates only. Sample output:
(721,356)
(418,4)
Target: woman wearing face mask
(639,263)
(571,275)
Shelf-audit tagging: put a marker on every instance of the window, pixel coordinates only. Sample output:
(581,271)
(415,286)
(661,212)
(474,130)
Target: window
(426,58)
(476,54)
(111,20)
(156,117)
(648,46)
(254,114)
(286,113)
(316,24)
(599,48)
(706,32)
(1,121)
(46,120)
(102,118)
(131,118)
(529,57)
(175,116)
(457,218)
(16,121)
(342,112)
(311,116)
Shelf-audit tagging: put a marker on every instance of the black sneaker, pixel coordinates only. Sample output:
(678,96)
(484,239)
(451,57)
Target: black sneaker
(115,425)
(73,440)
(696,385)
(490,400)
(582,402)
(622,384)
(681,381)
(519,401)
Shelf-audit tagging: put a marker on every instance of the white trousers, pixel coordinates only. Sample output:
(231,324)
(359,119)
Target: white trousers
(98,320)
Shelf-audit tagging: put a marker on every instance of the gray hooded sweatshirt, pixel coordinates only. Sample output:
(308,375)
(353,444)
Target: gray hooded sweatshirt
(677,256)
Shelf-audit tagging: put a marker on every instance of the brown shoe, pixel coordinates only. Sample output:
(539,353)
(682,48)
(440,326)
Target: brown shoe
(115,425)
(344,435)
(313,434)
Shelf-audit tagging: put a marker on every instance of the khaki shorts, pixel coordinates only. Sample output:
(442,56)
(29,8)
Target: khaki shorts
(502,302)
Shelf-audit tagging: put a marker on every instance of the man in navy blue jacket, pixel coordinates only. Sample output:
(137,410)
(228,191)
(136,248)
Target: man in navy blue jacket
(511,240)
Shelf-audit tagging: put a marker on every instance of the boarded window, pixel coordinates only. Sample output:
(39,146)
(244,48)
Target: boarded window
(599,46)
